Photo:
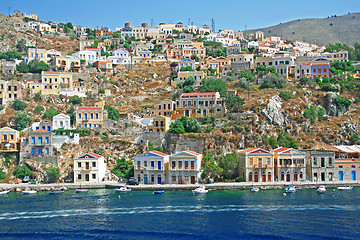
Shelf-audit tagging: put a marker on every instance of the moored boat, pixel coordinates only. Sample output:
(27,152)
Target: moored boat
(321,189)
(290,189)
(123,189)
(200,189)
(4,192)
(56,191)
(345,188)
(29,192)
(81,190)
(158,192)
(255,189)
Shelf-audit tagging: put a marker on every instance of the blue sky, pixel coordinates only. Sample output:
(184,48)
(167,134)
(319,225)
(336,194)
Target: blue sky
(228,14)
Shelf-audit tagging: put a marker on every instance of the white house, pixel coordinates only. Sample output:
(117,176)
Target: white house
(120,56)
(89,168)
(185,167)
(89,56)
(151,167)
(61,121)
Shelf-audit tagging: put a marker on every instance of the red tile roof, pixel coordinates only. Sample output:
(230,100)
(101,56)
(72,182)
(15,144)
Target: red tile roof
(195,94)
(248,150)
(280,149)
(40,130)
(95,155)
(89,107)
(158,153)
(49,72)
(191,152)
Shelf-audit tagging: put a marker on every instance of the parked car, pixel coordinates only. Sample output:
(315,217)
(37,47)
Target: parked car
(132,182)
(26,179)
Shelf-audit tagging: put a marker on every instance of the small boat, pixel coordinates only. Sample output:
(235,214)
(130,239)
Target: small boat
(4,192)
(254,189)
(56,191)
(200,189)
(123,189)
(345,188)
(158,192)
(29,192)
(321,189)
(81,190)
(290,189)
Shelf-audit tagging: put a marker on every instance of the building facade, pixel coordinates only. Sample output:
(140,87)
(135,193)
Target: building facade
(9,140)
(290,164)
(89,168)
(151,167)
(185,167)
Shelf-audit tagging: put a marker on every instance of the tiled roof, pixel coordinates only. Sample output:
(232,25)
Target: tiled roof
(191,152)
(280,149)
(196,94)
(89,107)
(40,130)
(158,153)
(248,150)
(49,72)
(95,155)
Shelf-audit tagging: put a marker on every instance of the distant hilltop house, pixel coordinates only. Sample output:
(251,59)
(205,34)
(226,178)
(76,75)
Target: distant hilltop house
(9,140)
(91,117)
(21,15)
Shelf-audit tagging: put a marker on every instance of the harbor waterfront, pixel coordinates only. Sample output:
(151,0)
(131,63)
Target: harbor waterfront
(149,187)
(226,214)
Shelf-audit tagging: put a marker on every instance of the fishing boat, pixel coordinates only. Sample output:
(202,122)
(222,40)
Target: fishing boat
(158,192)
(321,189)
(200,189)
(4,192)
(81,190)
(123,189)
(290,189)
(345,188)
(29,192)
(56,191)
(255,189)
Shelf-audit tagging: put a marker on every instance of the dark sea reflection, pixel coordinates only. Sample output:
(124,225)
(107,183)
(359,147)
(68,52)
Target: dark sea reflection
(102,214)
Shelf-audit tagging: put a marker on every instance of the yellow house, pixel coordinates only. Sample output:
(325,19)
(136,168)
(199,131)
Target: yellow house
(187,52)
(256,165)
(51,83)
(91,117)
(165,108)
(9,140)
(37,55)
(159,124)
(66,63)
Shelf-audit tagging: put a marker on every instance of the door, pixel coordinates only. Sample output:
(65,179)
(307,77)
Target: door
(39,152)
(322,176)
(187,113)
(256,177)
(353,175)
(192,179)
(341,175)
(87,178)
(288,177)
(145,179)
(263,178)
(250,177)
(295,177)
(159,165)
(159,179)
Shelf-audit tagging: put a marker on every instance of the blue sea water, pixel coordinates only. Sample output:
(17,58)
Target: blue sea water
(105,214)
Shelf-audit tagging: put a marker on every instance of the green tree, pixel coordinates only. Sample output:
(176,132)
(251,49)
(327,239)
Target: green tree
(284,139)
(10,55)
(123,168)
(354,138)
(286,95)
(321,112)
(72,36)
(21,45)
(177,127)
(214,85)
(101,91)
(234,103)
(187,68)
(229,164)
(187,85)
(311,114)
(18,105)
(2,175)
(50,113)
(38,67)
(53,173)
(75,100)
(273,80)
(191,125)
(71,113)
(21,171)
(37,97)
(38,109)
(113,113)
(342,103)
(21,121)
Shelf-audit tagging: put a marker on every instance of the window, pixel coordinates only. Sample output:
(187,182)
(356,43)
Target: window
(11,136)
(46,139)
(79,115)
(268,161)
(173,164)
(93,164)
(260,162)
(186,165)
(91,115)
(152,178)
(47,151)
(79,164)
(192,164)
(152,164)
(330,161)
(79,176)
(251,161)
(96,115)
(94,176)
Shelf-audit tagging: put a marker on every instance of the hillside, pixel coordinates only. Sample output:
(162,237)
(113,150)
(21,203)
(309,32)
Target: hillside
(344,29)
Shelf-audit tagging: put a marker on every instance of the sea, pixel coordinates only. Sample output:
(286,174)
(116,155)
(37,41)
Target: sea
(106,214)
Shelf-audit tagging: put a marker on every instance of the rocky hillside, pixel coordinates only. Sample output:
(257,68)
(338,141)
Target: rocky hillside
(321,31)
(9,37)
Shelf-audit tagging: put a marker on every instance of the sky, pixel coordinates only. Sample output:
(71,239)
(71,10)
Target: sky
(227,14)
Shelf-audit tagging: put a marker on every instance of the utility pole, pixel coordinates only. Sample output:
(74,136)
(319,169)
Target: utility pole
(212,25)
(152,23)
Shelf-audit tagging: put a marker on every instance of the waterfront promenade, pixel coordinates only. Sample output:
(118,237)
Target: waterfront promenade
(148,187)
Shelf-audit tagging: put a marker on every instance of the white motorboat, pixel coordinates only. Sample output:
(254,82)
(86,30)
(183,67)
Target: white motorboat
(200,189)
(321,189)
(290,189)
(4,192)
(345,188)
(255,189)
(29,192)
(81,190)
(123,189)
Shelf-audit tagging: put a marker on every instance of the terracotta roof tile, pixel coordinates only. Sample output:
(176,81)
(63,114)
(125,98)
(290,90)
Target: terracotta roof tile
(40,130)
(158,153)
(191,152)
